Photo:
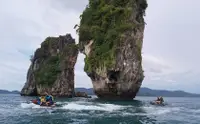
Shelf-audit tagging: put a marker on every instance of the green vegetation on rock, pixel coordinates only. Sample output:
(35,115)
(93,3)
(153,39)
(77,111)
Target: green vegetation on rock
(47,74)
(52,67)
(105,22)
(49,65)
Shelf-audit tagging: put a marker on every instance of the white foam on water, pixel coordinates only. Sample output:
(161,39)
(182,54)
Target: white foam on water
(79,121)
(26,105)
(131,114)
(194,111)
(31,105)
(160,110)
(61,103)
(100,107)
(149,110)
(197,110)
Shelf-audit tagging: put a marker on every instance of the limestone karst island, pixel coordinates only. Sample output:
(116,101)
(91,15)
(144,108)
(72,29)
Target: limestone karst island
(111,37)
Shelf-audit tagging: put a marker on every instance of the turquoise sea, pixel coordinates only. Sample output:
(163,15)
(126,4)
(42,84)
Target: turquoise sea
(15,109)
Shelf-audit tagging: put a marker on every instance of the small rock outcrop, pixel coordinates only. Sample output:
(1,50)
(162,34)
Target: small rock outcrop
(82,94)
(52,68)
(111,37)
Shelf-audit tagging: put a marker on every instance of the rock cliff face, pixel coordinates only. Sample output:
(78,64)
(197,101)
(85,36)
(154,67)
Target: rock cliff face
(52,68)
(111,37)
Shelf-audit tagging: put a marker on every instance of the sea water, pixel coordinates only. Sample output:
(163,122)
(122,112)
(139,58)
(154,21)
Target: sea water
(15,109)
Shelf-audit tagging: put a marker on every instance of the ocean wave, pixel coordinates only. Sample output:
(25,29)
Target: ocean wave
(31,105)
(85,106)
(160,110)
(193,111)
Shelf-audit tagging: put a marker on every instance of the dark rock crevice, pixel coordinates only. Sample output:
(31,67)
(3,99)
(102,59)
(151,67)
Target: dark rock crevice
(113,76)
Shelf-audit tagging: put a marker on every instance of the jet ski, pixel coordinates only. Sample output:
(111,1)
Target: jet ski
(37,102)
(157,103)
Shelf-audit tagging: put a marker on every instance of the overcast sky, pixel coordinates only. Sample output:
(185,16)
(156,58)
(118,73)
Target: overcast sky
(170,51)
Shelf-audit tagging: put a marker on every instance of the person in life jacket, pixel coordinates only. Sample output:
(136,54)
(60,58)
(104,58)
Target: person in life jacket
(38,100)
(159,100)
(49,99)
(42,100)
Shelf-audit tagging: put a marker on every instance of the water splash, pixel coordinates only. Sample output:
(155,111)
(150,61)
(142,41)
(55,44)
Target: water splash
(88,106)
(31,105)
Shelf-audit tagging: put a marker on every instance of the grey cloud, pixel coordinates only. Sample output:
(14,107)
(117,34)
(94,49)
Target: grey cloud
(172,31)
(155,70)
(76,5)
(23,28)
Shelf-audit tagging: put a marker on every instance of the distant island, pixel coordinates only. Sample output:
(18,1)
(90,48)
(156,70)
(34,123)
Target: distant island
(9,92)
(150,92)
(142,92)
